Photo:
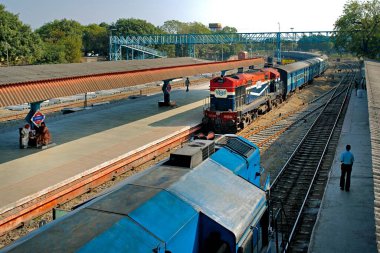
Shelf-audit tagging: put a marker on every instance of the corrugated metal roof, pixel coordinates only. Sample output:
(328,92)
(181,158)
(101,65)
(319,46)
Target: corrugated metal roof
(373,90)
(20,74)
(71,79)
(293,66)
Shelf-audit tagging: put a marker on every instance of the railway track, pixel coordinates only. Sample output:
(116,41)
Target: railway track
(265,135)
(298,189)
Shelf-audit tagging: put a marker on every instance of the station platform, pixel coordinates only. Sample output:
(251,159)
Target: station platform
(346,221)
(88,138)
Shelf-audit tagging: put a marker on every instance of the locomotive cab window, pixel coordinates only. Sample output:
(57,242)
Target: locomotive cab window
(220,80)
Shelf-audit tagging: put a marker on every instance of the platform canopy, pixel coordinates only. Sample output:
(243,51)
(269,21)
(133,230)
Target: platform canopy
(27,84)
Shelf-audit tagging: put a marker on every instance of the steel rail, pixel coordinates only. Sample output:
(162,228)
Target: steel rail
(282,130)
(318,167)
(303,139)
(255,130)
(23,212)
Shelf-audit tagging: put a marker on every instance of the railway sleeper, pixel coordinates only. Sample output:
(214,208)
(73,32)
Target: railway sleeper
(303,171)
(299,247)
(312,210)
(318,195)
(308,219)
(311,148)
(304,164)
(305,159)
(295,170)
(300,162)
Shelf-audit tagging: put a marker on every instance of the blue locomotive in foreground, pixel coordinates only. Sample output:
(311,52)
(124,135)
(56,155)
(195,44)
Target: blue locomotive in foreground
(235,101)
(199,200)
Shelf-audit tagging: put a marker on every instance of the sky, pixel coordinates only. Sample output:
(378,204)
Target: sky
(245,15)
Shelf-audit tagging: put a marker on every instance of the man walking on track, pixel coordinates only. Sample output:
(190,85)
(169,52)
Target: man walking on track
(347,160)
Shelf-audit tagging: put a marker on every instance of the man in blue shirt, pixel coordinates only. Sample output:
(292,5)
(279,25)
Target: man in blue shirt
(347,160)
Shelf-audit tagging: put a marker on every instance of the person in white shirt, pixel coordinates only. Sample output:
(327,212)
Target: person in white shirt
(25,136)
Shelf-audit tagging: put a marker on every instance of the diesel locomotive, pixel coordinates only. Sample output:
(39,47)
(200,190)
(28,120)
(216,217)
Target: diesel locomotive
(207,197)
(236,100)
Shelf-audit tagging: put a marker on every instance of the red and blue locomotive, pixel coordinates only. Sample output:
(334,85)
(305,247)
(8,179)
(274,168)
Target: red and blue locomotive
(236,100)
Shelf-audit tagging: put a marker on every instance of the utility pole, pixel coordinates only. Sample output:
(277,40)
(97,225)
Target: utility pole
(279,44)
(7,57)
(292,28)
(6,47)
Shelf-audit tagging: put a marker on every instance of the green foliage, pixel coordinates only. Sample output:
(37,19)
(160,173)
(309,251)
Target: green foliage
(62,41)
(53,53)
(134,26)
(173,27)
(358,29)
(212,52)
(315,42)
(195,27)
(95,39)
(177,27)
(23,46)
(228,29)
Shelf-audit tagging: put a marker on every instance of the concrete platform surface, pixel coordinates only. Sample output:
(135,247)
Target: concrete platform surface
(372,73)
(85,140)
(346,220)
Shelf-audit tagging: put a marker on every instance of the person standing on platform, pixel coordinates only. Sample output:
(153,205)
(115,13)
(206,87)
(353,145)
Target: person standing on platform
(44,136)
(187,83)
(347,160)
(25,136)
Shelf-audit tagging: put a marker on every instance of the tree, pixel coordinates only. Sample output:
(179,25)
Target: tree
(22,45)
(358,29)
(226,51)
(228,29)
(173,27)
(315,42)
(62,41)
(134,26)
(95,39)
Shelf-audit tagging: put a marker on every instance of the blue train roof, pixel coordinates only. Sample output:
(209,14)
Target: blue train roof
(293,66)
(208,184)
